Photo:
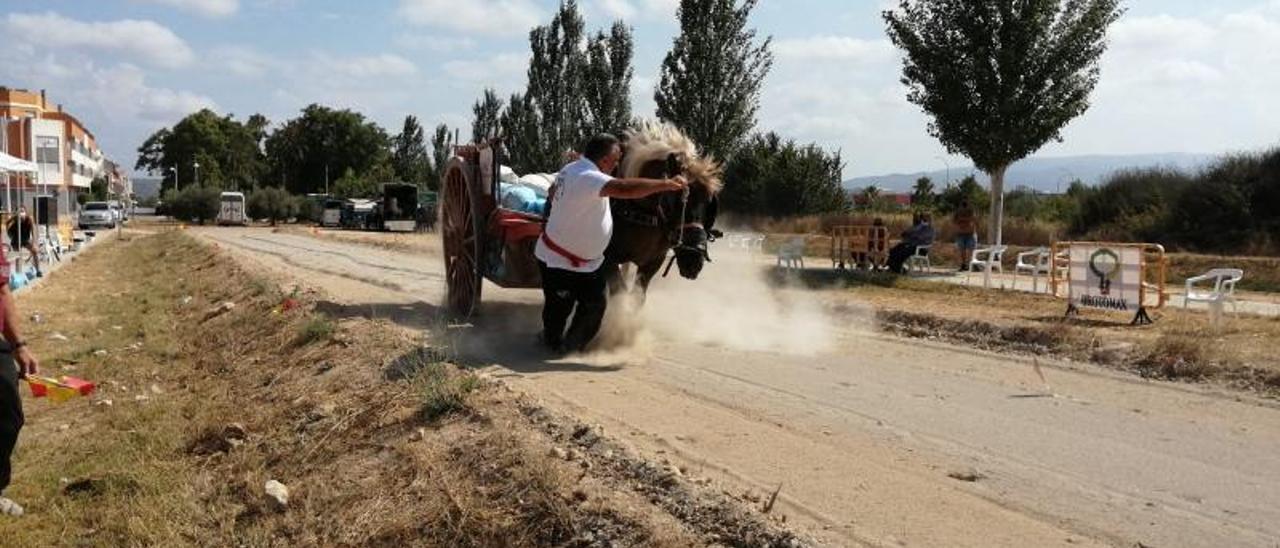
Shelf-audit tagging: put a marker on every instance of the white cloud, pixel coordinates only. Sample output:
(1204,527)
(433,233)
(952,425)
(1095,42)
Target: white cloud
(843,48)
(206,8)
(242,61)
(435,43)
(1161,32)
(147,41)
(617,9)
(385,65)
(500,71)
(496,17)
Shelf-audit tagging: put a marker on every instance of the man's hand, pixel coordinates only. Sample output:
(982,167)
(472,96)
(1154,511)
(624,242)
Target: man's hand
(27,362)
(677,183)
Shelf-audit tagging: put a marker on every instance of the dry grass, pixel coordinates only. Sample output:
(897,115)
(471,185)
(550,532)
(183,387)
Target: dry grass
(207,404)
(1179,346)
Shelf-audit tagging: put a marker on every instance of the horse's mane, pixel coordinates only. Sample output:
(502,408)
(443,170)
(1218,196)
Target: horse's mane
(653,140)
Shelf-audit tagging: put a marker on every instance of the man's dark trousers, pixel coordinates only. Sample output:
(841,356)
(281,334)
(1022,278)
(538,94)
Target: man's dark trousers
(564,290)
(10,413)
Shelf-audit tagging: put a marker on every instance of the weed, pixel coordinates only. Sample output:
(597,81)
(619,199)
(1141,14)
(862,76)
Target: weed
(1176,357)
(318,328)
(445,390)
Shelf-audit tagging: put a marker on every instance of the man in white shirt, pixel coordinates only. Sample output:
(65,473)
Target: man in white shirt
(571,250)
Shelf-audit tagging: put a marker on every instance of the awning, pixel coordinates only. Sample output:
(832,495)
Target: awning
(16,165)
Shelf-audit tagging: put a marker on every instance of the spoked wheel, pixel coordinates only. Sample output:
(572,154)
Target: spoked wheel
(459,233)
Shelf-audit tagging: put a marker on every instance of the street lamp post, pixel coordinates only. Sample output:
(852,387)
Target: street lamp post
(948,164)
(197,166)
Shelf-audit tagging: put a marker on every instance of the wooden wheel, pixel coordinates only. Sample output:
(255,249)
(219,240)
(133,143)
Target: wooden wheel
(460,228)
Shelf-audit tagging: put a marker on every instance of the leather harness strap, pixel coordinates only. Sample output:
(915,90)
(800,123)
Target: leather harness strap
(576,261)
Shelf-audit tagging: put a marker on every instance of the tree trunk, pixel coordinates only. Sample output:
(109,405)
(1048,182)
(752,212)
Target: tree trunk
(995,234)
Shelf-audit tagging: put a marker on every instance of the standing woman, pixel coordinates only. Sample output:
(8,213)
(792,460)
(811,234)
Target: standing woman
(16,362)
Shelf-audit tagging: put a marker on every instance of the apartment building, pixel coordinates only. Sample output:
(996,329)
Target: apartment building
(64,150)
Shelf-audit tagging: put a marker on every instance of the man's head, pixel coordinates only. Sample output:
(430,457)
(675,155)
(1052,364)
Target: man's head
(604,151)
(22,211)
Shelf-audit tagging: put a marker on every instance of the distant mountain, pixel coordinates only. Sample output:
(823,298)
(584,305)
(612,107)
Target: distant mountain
(1042,174)
(146,187)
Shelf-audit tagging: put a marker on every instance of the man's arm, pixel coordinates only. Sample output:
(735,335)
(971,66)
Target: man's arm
(631,189)
(27,363)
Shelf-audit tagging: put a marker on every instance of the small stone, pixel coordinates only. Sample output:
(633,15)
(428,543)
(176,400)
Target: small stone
(235,431)
(573,454)
(278,493)
(57,337)
(418,435)
(117,327)
(99,352)
(155,389)
(64,427)
(141,398)
(37,318)
(185,300)
(559,453)
(104,403)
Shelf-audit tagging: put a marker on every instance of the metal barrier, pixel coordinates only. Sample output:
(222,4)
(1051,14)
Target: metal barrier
(1110,276)
(854,244)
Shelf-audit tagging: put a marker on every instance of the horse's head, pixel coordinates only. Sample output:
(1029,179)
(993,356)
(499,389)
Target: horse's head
(657,150)
(699,205)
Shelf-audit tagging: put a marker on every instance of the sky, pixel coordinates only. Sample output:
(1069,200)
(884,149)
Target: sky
(1179,76)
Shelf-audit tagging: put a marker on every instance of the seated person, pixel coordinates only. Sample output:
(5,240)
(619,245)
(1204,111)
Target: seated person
(22,235)
(919,234)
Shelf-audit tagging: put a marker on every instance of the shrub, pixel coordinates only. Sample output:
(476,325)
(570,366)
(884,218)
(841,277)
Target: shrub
(271,204)
(193,204)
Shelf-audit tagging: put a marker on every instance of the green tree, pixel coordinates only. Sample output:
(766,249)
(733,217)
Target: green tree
(410,159)
(325,141)
(710,81)
(607,81)
(271,204)
(520,123)
(441,141)
(922,194)
(554,91)
(228,151)
(1000,78)
(780,178)
(871,196)
(485,114)
(98,189)
(352,185)
(953,195)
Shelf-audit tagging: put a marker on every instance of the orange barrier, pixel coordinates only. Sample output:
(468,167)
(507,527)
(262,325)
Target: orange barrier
(855,244)
(1110,276)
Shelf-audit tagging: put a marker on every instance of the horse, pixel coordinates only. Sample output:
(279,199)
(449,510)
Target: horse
(646,229)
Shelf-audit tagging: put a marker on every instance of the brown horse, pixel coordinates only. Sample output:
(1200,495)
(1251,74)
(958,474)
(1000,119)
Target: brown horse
(645,230)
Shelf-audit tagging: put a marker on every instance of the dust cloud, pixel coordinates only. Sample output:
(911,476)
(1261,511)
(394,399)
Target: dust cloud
(732,305)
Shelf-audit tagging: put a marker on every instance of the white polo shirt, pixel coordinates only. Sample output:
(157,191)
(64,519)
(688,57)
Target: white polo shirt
(580,221)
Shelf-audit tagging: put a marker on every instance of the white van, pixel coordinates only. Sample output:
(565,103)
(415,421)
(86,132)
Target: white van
(231,210)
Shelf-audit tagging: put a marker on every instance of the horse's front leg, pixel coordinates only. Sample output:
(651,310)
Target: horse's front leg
(613,278)
(644,275)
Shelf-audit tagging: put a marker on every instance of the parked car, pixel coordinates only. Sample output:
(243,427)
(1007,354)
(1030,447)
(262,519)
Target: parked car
(97,215)
(118,211)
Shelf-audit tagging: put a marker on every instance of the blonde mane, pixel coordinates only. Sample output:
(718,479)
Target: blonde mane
(654,140)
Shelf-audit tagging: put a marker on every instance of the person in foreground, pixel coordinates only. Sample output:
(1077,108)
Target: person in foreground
(16,362)
(920,233)
(570,252)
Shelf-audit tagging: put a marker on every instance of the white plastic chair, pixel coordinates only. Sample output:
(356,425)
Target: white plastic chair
(1224,289)
(791,253)
(994,257)
(920,259)
(1040,265)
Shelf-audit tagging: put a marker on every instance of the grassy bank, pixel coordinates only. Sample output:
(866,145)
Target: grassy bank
(213,384)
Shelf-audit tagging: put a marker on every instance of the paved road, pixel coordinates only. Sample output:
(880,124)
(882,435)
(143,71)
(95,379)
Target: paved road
(873,440)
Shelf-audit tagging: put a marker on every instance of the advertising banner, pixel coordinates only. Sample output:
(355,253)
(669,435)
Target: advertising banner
(1107,278)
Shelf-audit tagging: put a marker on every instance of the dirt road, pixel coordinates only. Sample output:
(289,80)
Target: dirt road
(873,440)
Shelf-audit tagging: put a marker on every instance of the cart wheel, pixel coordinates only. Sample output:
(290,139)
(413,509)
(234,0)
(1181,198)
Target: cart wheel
(461,245)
